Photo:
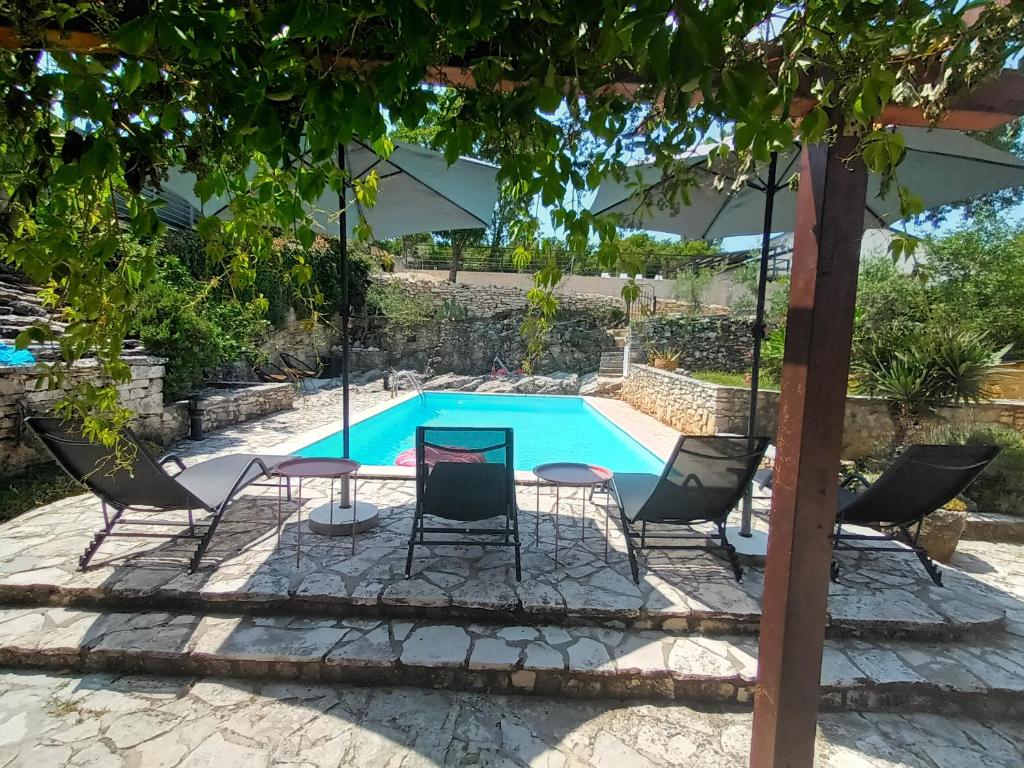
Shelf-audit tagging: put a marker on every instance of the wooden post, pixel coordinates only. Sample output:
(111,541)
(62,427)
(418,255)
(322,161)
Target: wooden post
(819,331)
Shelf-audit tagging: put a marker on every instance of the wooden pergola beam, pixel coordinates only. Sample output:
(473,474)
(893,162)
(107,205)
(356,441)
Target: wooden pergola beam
(990,104)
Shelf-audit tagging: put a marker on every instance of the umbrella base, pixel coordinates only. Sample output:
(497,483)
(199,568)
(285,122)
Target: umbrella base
(751,549)
(322,522)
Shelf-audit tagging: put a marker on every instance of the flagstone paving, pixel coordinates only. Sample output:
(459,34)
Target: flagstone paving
(879,594)
(101,720)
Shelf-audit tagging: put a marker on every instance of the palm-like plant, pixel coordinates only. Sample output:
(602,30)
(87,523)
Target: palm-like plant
(918,371)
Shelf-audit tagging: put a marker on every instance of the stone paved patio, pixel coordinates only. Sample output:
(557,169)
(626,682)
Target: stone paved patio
(880,594)
(104,720)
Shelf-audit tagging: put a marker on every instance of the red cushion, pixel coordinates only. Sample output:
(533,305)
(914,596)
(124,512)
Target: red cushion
(407,458)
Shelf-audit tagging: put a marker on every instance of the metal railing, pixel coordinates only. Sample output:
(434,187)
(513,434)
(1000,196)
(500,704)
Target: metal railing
(396,377)
(487,259)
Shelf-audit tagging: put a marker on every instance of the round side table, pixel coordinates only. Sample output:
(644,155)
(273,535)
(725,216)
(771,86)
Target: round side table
(566,474)
(348,517)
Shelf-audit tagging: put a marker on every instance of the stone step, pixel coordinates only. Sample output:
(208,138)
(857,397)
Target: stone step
(553,661)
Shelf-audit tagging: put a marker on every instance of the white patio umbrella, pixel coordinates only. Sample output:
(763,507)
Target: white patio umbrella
(417,191)
(940,167)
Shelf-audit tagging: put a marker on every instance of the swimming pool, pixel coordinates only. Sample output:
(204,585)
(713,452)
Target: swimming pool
(544,429)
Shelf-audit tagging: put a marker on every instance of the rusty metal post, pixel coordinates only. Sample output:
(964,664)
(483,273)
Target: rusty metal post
(819,331)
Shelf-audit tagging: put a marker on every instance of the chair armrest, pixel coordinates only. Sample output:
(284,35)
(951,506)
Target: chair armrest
(172,457)
(854,477)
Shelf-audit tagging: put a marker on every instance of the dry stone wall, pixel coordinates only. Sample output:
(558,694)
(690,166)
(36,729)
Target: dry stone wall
(697,407)
(705,343)
(220,408)
(19,397)
(155,421)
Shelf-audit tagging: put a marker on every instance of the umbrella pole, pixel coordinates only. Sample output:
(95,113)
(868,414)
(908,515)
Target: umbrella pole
(758,330)
(343,241)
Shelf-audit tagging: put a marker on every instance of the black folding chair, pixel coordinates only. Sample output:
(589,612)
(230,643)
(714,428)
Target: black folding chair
(921,480)
(300,369)
(146,485)
(701,483)
(465,474)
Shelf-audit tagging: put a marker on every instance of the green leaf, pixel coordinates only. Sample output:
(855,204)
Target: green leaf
(137,36)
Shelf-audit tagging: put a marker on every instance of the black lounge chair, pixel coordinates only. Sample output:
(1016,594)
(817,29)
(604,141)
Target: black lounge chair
(300,369)
(275,374)
(477,483)
(921,480)
(702,483)
(146,485)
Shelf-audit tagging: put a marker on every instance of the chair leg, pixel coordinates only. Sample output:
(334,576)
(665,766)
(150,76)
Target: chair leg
(926,561)
(416,521)
(730,552)
(204,542)
(100,536)
(518,544)
(630,550)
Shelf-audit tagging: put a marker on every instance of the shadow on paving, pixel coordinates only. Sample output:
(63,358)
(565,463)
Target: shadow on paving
(173,721)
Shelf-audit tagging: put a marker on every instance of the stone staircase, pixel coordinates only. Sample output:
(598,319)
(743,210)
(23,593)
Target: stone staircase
(615,351)
(548,660)
(20,307)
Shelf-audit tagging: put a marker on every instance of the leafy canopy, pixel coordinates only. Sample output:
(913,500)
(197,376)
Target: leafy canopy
(212,85)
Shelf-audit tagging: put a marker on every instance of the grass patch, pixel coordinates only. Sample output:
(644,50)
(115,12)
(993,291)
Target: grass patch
(33,488)
(727,379)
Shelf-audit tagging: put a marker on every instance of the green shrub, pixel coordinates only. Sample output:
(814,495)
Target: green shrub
(402,310)
(1000,488)
(196,327)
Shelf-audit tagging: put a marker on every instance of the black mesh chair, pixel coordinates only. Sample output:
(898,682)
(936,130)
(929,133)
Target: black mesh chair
(146,485)
(300,369)
(702,483)
(465,474)
(921,480)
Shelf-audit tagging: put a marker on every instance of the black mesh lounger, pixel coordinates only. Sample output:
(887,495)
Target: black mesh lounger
(275,374)
(921,480)
(146,485)
(480,486)
(702,483)
(299,368)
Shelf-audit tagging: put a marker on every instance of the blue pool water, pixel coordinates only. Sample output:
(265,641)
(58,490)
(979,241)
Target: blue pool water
(545,429)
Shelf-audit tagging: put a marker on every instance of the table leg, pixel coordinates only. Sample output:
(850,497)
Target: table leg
(558,509)
(583,521)
(279,510)
(298,540)
(536,518)
(607,514)
(355,501)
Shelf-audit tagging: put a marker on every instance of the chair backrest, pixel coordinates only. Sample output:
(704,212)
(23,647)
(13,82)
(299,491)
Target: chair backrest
(704,479)
(919,481)
(142,484)
(475,465)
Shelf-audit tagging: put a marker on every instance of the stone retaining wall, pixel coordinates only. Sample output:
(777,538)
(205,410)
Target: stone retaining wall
(159,423)
(483,301)
(705,343)
(297,339)
(698,407)
(19,397)
(232,406)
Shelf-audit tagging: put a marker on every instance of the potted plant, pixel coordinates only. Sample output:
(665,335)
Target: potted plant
(666,358)
(942,529)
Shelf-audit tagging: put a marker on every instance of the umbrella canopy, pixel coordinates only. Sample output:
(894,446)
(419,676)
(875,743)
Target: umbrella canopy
(940,167)
(417,191)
